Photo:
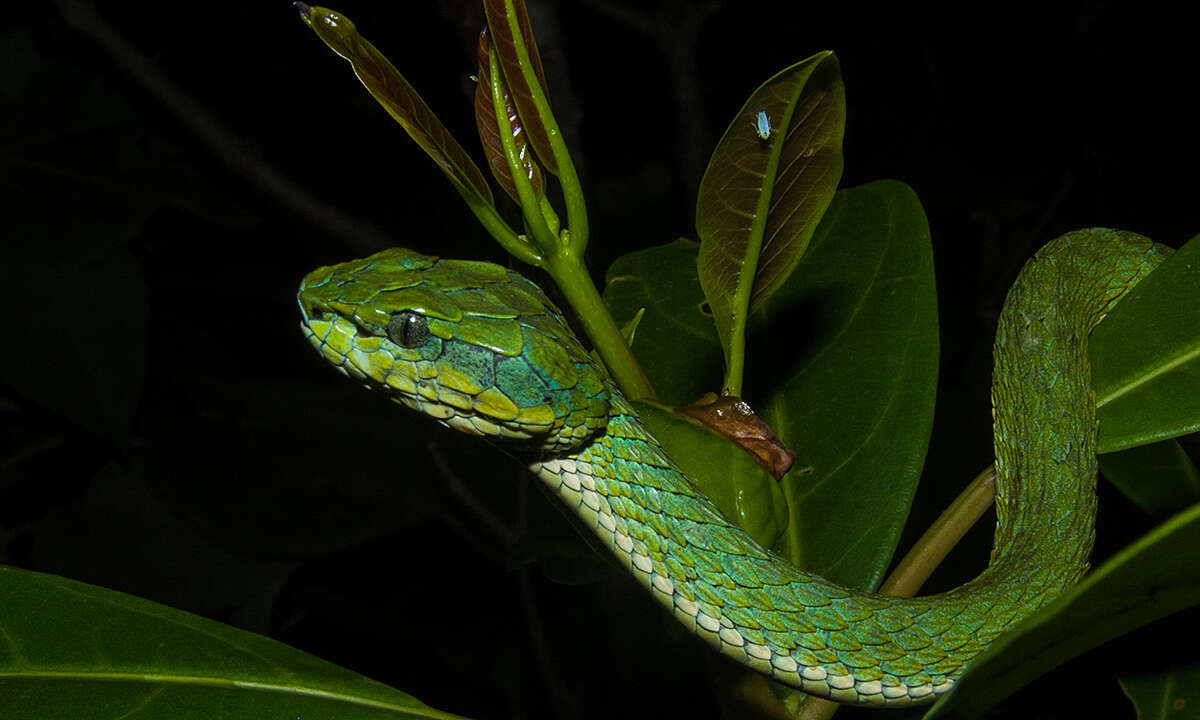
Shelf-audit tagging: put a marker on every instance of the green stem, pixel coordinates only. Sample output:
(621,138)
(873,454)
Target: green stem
(572,278)
(532,207)
(735,358)
(735,361)
(516,245)
(942,536)
(577,219)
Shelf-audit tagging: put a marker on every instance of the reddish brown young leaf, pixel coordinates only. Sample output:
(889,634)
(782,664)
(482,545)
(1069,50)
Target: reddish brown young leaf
(512,38)
(735,419)
(489,130)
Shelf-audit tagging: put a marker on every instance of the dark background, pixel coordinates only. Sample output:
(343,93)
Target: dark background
(171,170)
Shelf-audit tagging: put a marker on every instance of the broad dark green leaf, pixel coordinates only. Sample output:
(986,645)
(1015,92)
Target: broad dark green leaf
(489,129)
(70,650)
(513,40)
(1160,478)
(1171,695)
(843,366)
(760,199)
(1151,578)
(1146,357)
(676,343)
(856,402)
(401,101)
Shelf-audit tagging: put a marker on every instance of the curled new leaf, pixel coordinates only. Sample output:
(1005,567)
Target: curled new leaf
(735,419)
(489,128)
(512,37)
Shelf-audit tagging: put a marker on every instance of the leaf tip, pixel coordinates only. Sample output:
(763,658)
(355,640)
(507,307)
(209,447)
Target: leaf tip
(319,18)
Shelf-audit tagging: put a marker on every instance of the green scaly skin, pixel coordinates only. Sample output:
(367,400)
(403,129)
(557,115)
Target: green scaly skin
(491,355)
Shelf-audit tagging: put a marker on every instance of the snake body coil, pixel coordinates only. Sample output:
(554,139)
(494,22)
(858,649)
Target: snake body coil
(482,350)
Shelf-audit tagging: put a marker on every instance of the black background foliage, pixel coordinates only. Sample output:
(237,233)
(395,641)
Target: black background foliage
(170,171)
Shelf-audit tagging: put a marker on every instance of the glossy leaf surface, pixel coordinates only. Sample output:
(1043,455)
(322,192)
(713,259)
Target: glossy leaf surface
(512,37)
(489,129)
(676,343)
(1160,478)
(1152,578)
(856,401)
(118,656)
(761,199)
(1146,357)
(397,96)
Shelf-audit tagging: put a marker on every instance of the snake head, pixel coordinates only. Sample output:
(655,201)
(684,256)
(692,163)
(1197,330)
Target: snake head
(474,345)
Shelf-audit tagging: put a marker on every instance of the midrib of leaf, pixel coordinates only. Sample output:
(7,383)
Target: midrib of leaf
(1147,377)
(1168,693)
(207,681)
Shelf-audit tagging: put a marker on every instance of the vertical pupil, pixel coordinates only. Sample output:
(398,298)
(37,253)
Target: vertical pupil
(408,329)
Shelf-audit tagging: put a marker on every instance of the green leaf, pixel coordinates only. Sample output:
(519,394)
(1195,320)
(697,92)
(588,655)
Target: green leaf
(397,96)
(1152,578)
(1160,478)
(1146,357)
(1172,695)
(676,343)
(70,650)
(760,199)
(855,402)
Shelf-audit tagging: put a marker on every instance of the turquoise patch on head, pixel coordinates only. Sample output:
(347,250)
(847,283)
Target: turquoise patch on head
(519,383)
(474,362)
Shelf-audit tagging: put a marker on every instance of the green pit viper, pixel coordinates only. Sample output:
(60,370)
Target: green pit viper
(482,350)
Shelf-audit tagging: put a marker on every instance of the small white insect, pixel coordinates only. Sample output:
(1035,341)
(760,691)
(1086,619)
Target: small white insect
(762,125)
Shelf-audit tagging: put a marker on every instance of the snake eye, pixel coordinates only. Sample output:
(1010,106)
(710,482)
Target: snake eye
(408,329)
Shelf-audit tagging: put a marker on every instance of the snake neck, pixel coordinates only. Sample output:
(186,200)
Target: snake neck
(859,647)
